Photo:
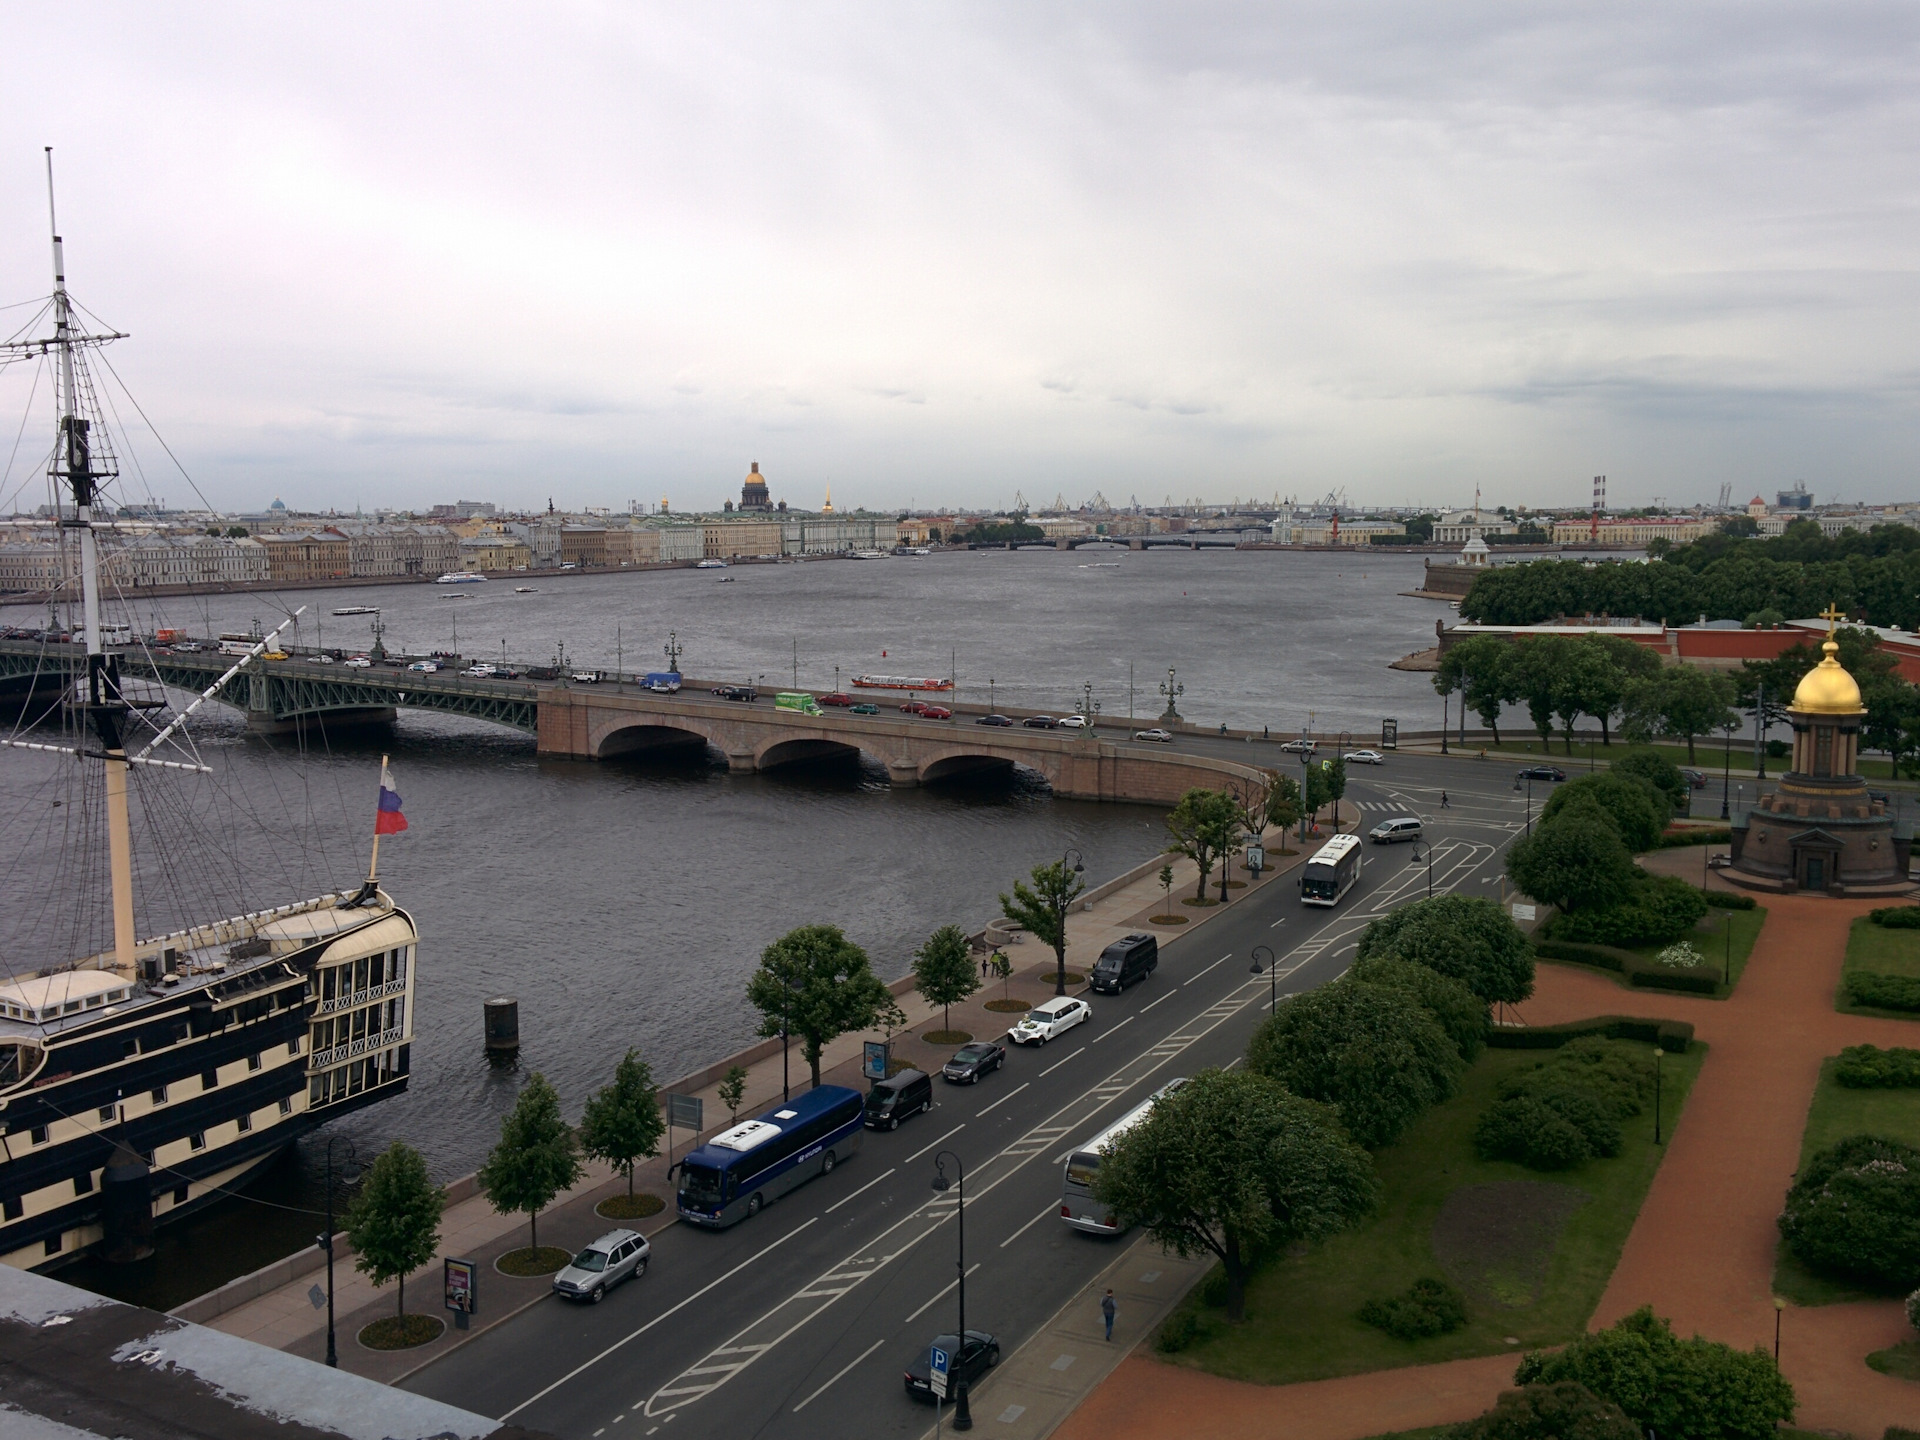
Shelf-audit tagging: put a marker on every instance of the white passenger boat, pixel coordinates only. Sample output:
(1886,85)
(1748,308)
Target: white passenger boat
(462,577)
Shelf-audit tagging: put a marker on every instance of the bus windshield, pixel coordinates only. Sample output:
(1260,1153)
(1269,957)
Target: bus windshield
(699,1185)
(1324,884)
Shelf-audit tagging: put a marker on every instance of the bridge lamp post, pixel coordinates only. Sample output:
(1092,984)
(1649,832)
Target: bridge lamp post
(962,1415)
(1173,693)
(1271,971)
(674,650)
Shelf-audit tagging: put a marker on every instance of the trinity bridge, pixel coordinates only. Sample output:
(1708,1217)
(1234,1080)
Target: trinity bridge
(599,721)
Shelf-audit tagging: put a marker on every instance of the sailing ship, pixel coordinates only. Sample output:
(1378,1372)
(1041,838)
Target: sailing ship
(149,1079)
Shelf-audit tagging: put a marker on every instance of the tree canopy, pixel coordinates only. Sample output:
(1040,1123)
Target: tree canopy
(943,970)
(622,1124)
(1460,1012)
(1649,765)
(1563,1411)
(394,1222)
(815,983)
(1374,1053)
(1042,908)
(1577,862)
(1204,825)
(536,1157)
(1465,936)
(1636,811)
(1231,1165)
(1681,701)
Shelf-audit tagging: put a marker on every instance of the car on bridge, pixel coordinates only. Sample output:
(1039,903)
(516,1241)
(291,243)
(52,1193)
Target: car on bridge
(839,698)
(1164,737)
(934,712)
(1364,757)
(1041,722)
(915,707)
(425,667)
(480,668)
(746,694)
(1000,720)
(867,709)
(357,662)
(1073,722)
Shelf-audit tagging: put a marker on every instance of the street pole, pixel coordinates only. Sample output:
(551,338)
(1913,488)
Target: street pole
(1071,863)
(1726,769)
(326,1244)
(1760,731)
(1273,975)
(1445,722)
(786,1004)
(962,1416)
(1779,1307)
(1658,1052)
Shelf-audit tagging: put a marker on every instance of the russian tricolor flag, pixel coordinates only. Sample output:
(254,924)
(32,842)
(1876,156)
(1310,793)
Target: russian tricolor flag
(389,820)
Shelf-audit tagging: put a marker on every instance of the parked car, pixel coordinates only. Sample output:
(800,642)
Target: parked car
(970,1062)
(1401,827)
(427,667)
(839,698)
(617,1255)
(868,709)
(1000,720)
(1164,737)
(1542,772)
(1130,958)
(1073,722)
(1053,1018)
(981,1354)
(1365,757)
(935,712)
(1300,747)
(898,1096)
(1041,722)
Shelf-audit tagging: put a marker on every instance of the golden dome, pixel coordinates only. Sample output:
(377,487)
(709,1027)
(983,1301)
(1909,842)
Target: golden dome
(1827,689)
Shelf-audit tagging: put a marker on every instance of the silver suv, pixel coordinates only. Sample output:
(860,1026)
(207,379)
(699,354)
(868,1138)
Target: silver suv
(617,1255)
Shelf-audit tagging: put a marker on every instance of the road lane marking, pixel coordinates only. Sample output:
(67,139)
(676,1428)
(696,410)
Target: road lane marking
(1052,1207)
(634,1335)
(924,1148)
(1215,966)
(1121,1026)
(858,1193)
(1058,1063)
(945,1291)
(1006,1097)
(838,1375)
(1161,1001)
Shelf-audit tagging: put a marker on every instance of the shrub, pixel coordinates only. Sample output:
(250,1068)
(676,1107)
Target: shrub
(1466,937)
(1727,900)
(1375,1054)
(1182,1330)
(1636,811)
(1681,955)
(1913,1309)
(1460,1012)
(1694,835)
(1619,1077)
(1868,1067)
(1854,1210)
(1883,992)
(1648,766)
(1655,908)
(1691,984)
(1896,917)
(1567,1108)
(1673,1036)
(1577,863)
(1530,1133)
(1680,1389)
(1429,1308)
(1566,1411)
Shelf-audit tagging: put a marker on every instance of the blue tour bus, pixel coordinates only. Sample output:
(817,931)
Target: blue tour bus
(749,1166)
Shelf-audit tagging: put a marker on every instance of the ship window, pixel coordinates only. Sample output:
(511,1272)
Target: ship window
(13,1207)
(209,1079)
(159,1094)
(53,1244)
(180,1194)
(129,1048)
(83,1183)
(286,1105)
(376,971)
(246,1123)
(106,1112)
(293,1046)
(326,985)
(360,974)
(197,1140)
(316,1092)
(38,1135)
(253,1061)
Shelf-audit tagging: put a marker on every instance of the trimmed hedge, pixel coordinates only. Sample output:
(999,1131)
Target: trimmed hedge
(1896,917)
(1727,900)
(1684,981)
(1868,1067)
(1640,971)
(1883,992)
(1674,839)
(1673,1036)
(1657,908)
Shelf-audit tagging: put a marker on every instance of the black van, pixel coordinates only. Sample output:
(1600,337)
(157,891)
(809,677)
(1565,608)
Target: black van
(1130,958)
(894,1099)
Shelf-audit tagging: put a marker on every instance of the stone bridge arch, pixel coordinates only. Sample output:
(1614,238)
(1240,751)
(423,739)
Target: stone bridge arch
(794,749)
(648,735)
(955,761)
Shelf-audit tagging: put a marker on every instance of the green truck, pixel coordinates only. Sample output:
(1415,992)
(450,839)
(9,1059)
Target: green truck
(793,700)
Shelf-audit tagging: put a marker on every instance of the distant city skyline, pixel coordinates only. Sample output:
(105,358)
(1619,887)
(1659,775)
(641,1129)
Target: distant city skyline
(386,258)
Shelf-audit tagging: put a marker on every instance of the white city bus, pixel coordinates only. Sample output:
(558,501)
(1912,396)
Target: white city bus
(1331,871)
(1077,1205)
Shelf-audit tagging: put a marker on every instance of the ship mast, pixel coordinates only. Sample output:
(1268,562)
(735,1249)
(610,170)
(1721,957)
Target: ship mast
(73,463)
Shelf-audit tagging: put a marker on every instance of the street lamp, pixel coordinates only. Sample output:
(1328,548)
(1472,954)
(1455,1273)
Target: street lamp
(674,650)
(1173,693)
(1528,777)
(1659,1051)
(1271,971)
(1779,1307)
(962,1416)
(325,1241)
(1726,768)
(1418,847)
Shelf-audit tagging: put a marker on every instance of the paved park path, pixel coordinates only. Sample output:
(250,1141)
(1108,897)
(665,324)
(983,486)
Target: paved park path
(1701,1252)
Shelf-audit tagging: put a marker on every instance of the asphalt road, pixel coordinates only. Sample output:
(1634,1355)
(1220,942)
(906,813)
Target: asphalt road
(790,1323)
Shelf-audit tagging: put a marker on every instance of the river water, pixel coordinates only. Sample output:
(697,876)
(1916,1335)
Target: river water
(625,903)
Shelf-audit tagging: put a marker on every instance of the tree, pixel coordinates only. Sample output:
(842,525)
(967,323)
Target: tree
(1605,684)
(1678,700)
(1626,802)
(1375,1054)
(1576,862)
(1480,664)
(1203,826)
(1566,1411)
(1467,937)
(1282,801)
(1654,769)
(1319,790)
(733,1091)
(815,983)
(394,1222)
(1536,676)
(1230,1165)
(622,1124)
(1679,1389)
(1854,1210)
(1002,971)
(1042,909)
(535,1160)
(1335,769)
(1457,1010)
(944,972)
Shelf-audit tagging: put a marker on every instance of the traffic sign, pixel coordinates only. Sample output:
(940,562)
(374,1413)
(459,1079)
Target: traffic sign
(938,1373)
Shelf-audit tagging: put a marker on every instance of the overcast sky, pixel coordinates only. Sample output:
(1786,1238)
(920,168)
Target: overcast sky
(400,253)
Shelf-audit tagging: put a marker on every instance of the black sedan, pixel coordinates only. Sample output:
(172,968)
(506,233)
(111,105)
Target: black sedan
(1041,722)
(1542,772)
(981,1355)
(970,1062)
(993,720)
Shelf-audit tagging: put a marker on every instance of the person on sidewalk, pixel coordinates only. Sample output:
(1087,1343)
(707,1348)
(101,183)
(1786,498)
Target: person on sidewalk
(1107,1311)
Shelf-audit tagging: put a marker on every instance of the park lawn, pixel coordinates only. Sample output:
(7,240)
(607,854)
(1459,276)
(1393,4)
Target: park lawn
(1875,948)
(1836,1113)
(1709,758)
(1712,942)
(1302,1309)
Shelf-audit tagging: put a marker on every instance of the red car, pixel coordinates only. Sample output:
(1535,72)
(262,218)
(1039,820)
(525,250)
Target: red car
(935,712)
(845,701)
(915,707)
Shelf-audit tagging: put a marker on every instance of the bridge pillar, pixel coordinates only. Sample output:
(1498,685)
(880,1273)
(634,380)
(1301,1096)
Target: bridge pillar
(1136,544)
(903,773)
(741,762)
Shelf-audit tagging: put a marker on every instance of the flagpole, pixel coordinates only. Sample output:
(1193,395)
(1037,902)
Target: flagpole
(373,865)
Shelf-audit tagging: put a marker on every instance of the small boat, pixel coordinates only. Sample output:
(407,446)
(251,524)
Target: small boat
(525,590)
(358,610)
(462,577)
(900,682)
(726,580)
(710,565)
(868,555)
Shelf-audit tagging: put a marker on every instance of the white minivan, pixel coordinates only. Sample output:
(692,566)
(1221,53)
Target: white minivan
(1401,827)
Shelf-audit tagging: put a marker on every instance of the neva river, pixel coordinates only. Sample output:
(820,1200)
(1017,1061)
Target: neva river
(625,904)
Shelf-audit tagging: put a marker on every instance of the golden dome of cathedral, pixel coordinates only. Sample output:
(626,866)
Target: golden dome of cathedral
(1828,689)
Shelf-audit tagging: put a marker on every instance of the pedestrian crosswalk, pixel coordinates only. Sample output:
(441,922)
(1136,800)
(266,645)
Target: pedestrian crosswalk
(1387,807)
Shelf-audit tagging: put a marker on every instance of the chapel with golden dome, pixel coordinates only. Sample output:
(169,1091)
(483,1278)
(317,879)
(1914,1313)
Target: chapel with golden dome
(1820,832)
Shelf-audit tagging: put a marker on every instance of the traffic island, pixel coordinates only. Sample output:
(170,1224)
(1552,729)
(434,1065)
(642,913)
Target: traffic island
(401,1332)
(528,1262)
(630,1207)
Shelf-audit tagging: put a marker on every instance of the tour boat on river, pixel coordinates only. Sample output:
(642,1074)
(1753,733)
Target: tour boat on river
(462,577)
(899,682)
(358,610)
(151,1077)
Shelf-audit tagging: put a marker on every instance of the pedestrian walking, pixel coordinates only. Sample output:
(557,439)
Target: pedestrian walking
(1107,1311)
(1443,800)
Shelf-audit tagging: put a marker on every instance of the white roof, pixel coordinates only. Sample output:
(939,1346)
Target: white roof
(44,990)
(746,1135)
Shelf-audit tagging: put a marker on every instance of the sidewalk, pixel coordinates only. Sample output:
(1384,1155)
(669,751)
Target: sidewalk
(285,1317)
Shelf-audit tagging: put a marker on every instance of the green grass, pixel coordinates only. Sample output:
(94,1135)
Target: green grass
(1302,1310)
(1886,952)
(1708,756)
(1901,1361)
(1835,1114)
(1712,942)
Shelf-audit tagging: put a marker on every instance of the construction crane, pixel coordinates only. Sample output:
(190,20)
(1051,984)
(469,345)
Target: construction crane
(1726,494)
